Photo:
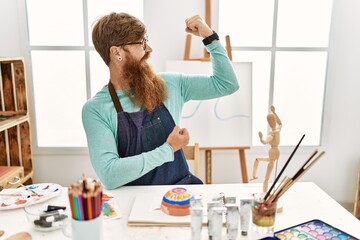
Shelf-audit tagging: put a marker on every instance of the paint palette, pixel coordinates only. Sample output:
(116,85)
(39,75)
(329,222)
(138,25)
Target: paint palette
(313,230)
(20,197)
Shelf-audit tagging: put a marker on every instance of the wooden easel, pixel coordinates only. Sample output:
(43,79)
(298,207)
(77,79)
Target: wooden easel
(208,161)
(206,54)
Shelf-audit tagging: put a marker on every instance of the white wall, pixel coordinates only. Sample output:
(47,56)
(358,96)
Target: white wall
(9,29)
(342,104)
(335,173)
(165,21)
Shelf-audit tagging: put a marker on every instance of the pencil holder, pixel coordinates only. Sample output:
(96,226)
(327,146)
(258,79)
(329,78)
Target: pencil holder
(263,214)
(87,229)
(85,199)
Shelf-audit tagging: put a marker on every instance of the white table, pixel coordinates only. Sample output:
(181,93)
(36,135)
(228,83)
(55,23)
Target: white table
(304,201)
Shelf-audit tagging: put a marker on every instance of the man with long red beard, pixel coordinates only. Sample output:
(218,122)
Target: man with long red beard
(131,124)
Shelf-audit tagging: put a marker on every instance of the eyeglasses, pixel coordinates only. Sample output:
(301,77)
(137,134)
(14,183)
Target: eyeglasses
(143,43)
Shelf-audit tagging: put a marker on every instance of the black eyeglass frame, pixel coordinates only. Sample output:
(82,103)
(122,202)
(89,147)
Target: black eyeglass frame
(143,43)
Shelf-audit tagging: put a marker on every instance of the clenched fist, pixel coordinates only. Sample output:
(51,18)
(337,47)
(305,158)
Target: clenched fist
(197,26)
(178,138)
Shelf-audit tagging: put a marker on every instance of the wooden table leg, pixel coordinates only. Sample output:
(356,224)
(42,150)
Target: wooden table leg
(243,166)
(208,166)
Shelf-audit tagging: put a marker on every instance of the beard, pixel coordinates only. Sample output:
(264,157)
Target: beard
(147,89)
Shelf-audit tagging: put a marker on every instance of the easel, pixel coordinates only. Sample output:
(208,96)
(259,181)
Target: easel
(208,161)
(206,54)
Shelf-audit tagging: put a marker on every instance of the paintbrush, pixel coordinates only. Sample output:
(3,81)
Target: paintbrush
(283,183)
(28,189)
(282,170)
(19,194)
(287,181)
(306,166)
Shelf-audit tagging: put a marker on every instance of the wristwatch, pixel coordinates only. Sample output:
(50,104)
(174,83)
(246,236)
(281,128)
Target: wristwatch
(210,38)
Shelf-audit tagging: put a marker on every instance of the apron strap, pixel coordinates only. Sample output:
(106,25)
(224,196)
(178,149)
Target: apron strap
(115,98)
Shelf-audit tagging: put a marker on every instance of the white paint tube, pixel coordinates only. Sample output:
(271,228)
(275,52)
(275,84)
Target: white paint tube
(196,222)
(230,200)
(217,222)
(245,208)
(232,221)
(196,201)
(210,206)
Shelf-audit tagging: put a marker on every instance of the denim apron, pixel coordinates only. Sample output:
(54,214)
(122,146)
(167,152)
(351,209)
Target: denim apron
(140,132)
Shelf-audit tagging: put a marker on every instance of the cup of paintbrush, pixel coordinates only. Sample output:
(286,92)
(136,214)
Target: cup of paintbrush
(263,214)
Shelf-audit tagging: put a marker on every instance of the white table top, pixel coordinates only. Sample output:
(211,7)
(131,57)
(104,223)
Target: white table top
(303,202)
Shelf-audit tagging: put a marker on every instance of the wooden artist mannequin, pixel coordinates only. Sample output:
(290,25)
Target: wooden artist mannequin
(273,138)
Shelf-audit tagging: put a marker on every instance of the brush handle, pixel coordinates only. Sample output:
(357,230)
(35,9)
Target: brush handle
(283,189)
(18,194)
(300,175)
(278,189)
(283,169)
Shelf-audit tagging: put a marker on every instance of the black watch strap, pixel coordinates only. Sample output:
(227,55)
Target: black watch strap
(210,38)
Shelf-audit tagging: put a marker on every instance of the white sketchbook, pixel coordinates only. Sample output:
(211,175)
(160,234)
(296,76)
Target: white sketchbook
(146,211)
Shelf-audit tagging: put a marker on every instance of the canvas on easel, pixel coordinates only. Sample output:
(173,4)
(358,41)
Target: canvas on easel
(224,121)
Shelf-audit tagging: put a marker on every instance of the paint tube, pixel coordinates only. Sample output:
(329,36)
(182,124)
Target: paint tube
(210,206)
(245,207)
(230,200)
(196,222)
(232,221)
(217,222)
(220,197)
(196,201)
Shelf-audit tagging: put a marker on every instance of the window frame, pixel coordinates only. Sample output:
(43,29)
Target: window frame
(27,48)
(273,49)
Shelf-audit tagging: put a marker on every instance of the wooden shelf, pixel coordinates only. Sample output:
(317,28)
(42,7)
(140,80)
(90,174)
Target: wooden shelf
(12,121)
(15,140)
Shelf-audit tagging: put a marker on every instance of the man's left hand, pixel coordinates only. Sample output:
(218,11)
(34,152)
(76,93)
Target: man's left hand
(197,26)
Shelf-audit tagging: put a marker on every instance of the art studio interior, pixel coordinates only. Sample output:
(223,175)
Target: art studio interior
(129,118)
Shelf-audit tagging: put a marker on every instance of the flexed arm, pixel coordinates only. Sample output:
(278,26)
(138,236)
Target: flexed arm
(222,81)
(278,121)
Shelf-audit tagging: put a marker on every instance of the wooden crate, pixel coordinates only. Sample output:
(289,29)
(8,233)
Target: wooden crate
(15,138)
(9,174)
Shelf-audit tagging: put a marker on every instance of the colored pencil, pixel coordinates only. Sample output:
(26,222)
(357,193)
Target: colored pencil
(71,205)
(76,208)
(85,200)
(89,208)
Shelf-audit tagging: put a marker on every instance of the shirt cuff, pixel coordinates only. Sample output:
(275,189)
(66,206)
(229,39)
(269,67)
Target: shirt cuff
(170,150)
(213,45)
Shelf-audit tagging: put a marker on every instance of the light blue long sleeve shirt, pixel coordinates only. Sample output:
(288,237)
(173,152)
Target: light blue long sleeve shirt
(100,119)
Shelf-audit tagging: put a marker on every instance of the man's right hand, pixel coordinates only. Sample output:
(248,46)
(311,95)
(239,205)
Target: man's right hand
(178,138)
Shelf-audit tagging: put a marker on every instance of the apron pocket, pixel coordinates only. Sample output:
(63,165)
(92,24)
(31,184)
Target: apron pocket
(189,179)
